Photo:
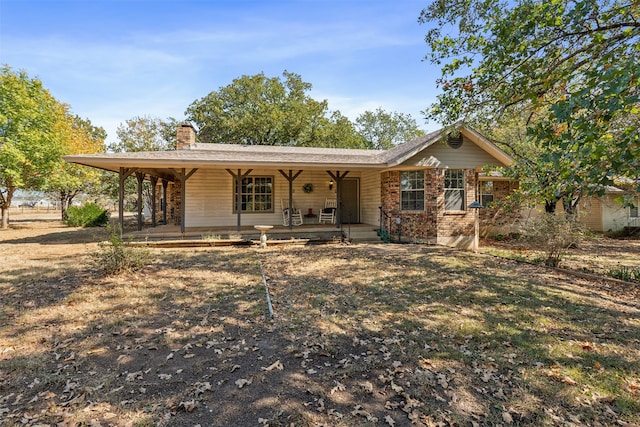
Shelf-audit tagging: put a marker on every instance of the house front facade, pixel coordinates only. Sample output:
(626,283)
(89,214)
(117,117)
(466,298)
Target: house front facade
(421,189)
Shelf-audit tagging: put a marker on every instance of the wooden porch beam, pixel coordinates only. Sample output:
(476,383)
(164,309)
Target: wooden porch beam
(238,178)
(123,174)
(140,179)
(338,177)
(154,184)
(290,177)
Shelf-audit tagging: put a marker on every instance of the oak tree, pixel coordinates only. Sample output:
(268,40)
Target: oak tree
(572,66)
(32,135)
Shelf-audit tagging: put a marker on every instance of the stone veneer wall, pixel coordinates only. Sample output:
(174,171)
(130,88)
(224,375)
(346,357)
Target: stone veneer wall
(172,204)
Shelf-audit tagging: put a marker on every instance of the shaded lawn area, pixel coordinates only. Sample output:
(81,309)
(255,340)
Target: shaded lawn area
(363,335)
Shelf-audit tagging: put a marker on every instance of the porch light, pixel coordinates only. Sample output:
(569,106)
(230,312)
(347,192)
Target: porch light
(331,185)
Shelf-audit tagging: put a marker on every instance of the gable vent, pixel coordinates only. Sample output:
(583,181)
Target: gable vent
(454,141)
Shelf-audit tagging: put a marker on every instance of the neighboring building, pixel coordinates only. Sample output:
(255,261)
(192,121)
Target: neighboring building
(421,189)
(608,213)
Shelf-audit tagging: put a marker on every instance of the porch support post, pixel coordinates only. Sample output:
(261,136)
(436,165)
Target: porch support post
(154,183)
(338,177)
(164,197)
(123,174)
(290,177)
(140,179)
(183,177)
(238,178)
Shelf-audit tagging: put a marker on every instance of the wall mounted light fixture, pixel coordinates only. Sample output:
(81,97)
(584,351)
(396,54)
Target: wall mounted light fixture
(331,185)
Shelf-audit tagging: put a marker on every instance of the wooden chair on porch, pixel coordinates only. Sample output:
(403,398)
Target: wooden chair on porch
(296,215)
(328,213)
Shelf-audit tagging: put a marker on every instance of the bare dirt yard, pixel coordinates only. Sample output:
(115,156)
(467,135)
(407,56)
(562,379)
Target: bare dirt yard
(362,335)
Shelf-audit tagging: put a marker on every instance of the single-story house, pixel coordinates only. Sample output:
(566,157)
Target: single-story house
(421,189)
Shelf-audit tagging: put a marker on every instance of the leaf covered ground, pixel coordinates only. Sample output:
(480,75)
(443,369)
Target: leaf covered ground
(379,335)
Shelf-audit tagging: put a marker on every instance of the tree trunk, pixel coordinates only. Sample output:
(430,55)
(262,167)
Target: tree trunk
(550,206)
(63,206)
(5,217)
(5,205)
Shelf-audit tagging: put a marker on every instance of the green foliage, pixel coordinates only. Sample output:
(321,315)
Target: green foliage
(33,131)
(258,110)
(625,273)
(382,130)
(68,179)
(116,256)
(568,70)
(87,215)
(146,133)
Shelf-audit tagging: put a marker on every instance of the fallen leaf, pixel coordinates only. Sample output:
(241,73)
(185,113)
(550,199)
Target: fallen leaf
(507,418)
(396,387)
(339,387)
(188,406)
(242,382)
(275,365)
(389,420)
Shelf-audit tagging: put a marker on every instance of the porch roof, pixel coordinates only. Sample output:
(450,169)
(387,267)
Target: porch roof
(205,155)
(230,155)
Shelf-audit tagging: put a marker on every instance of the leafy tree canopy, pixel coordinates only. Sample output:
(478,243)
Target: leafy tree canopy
(33,131)
(571,68)
(383,130)
(146,133)
(259,110)
(68,179)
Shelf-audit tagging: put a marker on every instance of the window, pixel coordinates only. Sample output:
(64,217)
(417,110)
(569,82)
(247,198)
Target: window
(412,191)
(633,209)
(257,194)
(454,190)
(486,193)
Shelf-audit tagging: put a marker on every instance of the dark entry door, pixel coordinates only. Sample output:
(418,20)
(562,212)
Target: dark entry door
(350,201)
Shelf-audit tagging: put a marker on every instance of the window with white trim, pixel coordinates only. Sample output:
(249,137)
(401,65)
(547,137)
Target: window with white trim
(257,194)
(633,209)
(454,199)
(486,193)
(412,190)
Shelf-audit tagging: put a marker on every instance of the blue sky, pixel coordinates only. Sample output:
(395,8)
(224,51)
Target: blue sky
(112,60)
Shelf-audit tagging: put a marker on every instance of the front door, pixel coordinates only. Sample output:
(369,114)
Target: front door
(350,189)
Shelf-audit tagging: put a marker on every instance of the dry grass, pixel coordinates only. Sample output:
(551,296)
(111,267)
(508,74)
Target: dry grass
(362,335)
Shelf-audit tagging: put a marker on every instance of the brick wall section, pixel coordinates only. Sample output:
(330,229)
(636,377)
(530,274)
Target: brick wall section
(185,137)
(458,223)
(173,203)
(502,212)
(416,226)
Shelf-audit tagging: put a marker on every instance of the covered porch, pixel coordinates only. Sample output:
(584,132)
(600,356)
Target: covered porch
(172,235)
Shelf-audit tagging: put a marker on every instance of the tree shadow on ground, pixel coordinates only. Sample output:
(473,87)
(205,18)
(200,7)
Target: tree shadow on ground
(416,334)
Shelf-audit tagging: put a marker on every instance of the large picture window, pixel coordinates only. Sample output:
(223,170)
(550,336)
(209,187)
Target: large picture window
(454,190)
(257,194)
(412,191)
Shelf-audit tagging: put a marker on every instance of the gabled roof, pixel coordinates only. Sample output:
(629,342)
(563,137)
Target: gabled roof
(232,155)
(397,155)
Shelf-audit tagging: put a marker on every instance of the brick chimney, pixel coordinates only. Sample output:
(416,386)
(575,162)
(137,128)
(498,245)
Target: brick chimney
(186,137)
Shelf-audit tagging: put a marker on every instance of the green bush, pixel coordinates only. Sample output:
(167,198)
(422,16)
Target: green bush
(87,215)
(625,273)
(115,255)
